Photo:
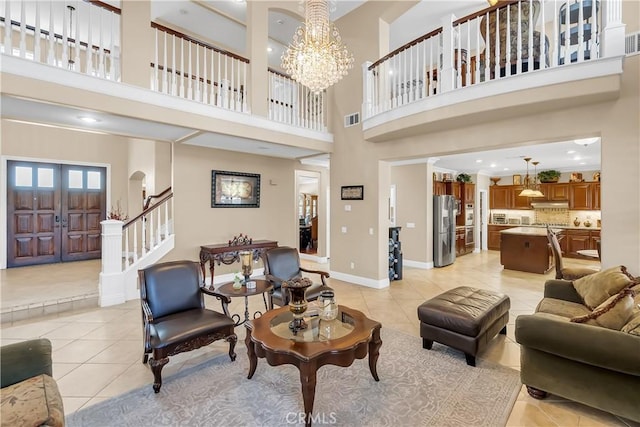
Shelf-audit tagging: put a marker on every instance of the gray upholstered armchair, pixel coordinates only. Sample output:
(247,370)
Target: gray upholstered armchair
(174,315)
(282,264)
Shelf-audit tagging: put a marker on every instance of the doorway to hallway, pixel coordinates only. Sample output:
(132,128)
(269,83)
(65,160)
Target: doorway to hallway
(54,212)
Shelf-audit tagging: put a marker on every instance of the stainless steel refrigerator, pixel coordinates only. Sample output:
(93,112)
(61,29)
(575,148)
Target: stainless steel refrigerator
(444,230)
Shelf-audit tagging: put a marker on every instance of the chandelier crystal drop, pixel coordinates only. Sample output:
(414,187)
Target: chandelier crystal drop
(316,57)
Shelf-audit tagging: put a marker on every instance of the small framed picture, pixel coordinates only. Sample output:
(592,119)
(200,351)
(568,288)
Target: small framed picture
(517,179)
(576,177)
(352,192)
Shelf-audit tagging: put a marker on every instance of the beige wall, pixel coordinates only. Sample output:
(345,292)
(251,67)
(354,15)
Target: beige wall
(21,140)
(197,223)
(412,194)
(616,121)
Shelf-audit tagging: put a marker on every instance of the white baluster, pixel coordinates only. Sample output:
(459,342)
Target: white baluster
(468,68)
(496,70)
(156,66)
(23,30)
(8,47)
(76,60)
(127,259)
(166,219)
(580,52)
(197,89)
(245,91)
(37,35)
(143,241)
(219,82)
(135,241)
(165,70)
(182,67)
(190,81)
(89,52)
(112,48)
(101,68)
(487,50)
(205,92)
(556,36)
(530,39)
(152,242)
(65,40)
(212,84)
(159,225)
(476,70)
(174,85)
(543,39)
(567,32)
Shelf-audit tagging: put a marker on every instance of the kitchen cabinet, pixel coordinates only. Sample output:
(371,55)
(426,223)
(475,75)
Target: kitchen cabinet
(469,192)
(526,249)
(580,196)
(595,196)
(555,192)
(439,188)
(455,189)
(460,244)
(493,236)
(577,240)
(517,201)
(500,197)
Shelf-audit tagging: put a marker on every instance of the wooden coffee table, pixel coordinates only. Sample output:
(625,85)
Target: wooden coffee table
(337,342)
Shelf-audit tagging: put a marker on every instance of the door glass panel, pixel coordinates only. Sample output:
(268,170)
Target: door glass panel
(45,177)
(75,179)
(23,176)
(93,180)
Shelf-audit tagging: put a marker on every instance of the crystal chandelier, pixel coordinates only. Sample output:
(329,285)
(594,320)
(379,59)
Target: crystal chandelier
(316,56)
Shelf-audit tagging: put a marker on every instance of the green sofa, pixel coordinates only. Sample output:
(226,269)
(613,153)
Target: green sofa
(593,365)
(29,394)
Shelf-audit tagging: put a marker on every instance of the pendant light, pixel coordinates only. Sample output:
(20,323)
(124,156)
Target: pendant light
(536,187)
(526,192)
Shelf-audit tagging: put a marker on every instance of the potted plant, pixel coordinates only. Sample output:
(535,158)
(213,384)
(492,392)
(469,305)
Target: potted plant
(463,177)
(549,176)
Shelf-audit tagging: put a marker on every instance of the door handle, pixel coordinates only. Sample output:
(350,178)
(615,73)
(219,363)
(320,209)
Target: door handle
(64,222)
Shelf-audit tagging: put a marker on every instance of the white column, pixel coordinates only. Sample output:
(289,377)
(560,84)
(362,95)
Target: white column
(613,33)
(446,76)
(112,289)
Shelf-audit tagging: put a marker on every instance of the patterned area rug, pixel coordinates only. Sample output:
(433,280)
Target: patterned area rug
(417,387)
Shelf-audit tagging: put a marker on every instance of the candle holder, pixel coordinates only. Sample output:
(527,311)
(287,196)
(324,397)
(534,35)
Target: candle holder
(246,258)
(297,302)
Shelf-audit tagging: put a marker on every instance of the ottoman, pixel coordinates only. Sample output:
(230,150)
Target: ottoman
(464,318)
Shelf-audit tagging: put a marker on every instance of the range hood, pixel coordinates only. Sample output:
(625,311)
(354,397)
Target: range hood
(560,204)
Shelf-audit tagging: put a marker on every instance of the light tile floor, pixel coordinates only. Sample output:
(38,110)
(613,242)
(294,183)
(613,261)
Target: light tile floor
(97,352)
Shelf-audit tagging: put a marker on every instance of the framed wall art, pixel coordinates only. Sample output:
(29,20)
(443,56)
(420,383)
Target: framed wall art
(235,189)
(517,179)
(352,192)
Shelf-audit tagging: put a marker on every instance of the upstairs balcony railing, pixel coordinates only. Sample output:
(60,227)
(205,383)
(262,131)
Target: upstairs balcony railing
(197,71)
(79,36)
(511,38)
(294,104)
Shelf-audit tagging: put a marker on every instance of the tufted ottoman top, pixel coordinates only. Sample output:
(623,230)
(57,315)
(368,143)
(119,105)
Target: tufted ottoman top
(465,310)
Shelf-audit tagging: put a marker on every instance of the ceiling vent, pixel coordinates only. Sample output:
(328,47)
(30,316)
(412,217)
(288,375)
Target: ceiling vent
(632,43)
(351,119)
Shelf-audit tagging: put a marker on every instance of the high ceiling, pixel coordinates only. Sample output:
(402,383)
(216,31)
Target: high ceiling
(222,22)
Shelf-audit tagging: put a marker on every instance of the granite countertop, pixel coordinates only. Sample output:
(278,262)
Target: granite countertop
(528,231)
(562,227)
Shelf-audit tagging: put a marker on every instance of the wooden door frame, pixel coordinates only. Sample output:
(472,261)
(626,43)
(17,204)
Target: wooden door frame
(3,191)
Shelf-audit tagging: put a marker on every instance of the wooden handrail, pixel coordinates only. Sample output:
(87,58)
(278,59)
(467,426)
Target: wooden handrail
(405,46)
(154,196)
(192,77)
(104,6)
(201,43)
(55,35)
(146,211)
(501,4)
(279,73)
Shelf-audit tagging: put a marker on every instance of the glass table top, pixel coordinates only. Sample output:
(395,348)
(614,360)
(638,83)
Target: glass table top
(317,329)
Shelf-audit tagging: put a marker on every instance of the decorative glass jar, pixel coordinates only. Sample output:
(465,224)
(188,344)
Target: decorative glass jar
(327,305)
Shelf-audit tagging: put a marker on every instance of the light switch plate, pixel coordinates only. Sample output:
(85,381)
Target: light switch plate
(347,208)
(343,229)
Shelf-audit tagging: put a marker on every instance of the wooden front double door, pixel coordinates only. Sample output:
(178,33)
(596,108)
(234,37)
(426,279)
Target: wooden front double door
(54,212)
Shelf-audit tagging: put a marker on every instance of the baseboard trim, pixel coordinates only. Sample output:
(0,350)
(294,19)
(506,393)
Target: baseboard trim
(363,281)
(314,258)
(418,264)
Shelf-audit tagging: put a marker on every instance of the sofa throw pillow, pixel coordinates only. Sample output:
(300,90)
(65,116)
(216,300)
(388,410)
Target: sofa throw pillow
(595,288)
(613,313)
(633,324)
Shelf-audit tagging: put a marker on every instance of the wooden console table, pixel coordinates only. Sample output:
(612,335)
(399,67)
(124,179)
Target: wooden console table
(228,253)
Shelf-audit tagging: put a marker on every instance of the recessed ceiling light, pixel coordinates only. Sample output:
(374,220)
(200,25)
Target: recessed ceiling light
(586,141)
(280,21)
(577,158)
(505,169)
(571,151)
(479,161)
(582,163)
(88,119)
(493,165)
(269,49)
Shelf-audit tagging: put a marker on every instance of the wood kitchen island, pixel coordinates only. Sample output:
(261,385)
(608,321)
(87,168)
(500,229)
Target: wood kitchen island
(526,249)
